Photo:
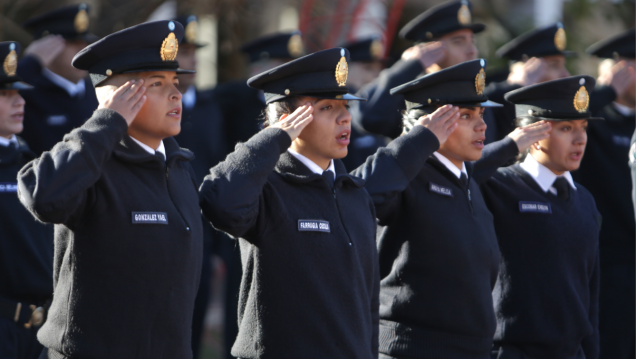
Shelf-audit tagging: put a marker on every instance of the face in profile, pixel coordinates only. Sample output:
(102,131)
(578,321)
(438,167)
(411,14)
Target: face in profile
(563,150)
(555,68)
(459,47)
(467,141)
(11,113)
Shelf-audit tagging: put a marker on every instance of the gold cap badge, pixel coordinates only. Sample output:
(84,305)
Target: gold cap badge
(191,31)
(81,20)
(581,98)
(463,15)
(480,82)
(342,70)
(560,40)
(10,64)
(295,45)
(169,48)
(377,49)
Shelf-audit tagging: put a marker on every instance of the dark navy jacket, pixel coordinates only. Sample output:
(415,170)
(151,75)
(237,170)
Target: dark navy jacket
(50,112)
(128,243)
(310,267)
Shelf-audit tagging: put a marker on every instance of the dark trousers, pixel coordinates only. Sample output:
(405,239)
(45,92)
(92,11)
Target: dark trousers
(18,342)
(617,313)
(512,352)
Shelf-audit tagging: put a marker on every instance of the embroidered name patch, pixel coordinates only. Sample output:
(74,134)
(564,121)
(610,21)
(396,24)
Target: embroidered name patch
(444,191)
(8,187)
(621,140)
(534,207)
(149,218)
(313,225)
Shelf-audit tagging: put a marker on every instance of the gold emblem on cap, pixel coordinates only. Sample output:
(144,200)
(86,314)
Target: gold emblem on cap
(10,63)
(295,46)
(81,21)
(581,100)
(463,15)
(560,40)
(480,82)
(342,71)
(377,49)
(169,48)
(191,31)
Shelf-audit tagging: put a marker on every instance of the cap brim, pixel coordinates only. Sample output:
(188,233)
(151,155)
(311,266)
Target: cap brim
(568,53)
(567,119)
(347,97)
(490,104)
(476,28)
(17,85)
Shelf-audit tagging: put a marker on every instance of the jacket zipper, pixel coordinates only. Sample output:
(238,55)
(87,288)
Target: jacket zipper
(339,217)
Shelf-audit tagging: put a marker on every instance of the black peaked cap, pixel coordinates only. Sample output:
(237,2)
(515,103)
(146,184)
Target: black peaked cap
(191,30)
(459,85)
(281,45)
(441,20)
(558,100)
(9,79)
(369,49)
(151,46)
(71,22)
(544,41)
(322,74)
(618,45)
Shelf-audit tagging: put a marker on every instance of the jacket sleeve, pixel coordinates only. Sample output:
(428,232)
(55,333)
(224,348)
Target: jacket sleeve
(390,170)
(380,114)
(591,344)
(231,196)
(375,310)
(56,187)
(601,97)
(494,155)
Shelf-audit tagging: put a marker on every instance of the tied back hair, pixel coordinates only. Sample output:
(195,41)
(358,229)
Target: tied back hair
(520,122)
(273,112)
(410,117)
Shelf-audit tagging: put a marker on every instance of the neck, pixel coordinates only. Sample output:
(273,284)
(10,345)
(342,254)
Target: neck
(148,140)
(319,160)
(544,160)
(8,137)
(458,163)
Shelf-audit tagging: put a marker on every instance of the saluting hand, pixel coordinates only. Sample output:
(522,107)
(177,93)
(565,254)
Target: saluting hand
(620,76)
(442,122)
(428,54)
(295,123)
(528,135)
(46,49)
(127,100)
(529,73)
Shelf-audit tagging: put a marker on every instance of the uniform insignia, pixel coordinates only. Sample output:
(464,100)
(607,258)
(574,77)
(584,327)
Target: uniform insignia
(10,64)
(444,191)
(8,187)
(313,225)
(480,81)
(169,48)
(295,46)
(342,70)
(191,31)
(581,100)
(560,40)
(463,14)
(534,207)
(81,21)
(377,49)
(149,218)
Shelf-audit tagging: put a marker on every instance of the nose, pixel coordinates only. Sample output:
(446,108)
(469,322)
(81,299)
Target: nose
(175,94)
(472,51)
(565,73)
(344,117)
(18,101)
(480,126)
(580,138)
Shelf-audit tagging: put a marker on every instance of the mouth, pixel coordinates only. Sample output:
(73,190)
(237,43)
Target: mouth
(479,143)
(576,155)
(18,116)
(175,112)
(343,137)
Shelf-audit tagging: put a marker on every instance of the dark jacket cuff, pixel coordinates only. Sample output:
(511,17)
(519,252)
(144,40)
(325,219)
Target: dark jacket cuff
(414,147)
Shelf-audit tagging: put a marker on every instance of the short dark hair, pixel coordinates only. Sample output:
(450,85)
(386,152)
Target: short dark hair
(272,113)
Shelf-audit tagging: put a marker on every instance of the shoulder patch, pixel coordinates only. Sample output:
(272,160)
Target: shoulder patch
(534,207)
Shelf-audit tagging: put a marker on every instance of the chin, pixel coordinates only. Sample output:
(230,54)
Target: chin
(339,154)
(473,156)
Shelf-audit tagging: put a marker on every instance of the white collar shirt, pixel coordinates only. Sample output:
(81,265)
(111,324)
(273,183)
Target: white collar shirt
(5,142)
(544,176)
(313,167)
(72,89)
(623,110)
(451,167)
(161,149)
(189,98)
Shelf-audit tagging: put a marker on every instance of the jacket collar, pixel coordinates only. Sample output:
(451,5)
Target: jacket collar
(447,173)
(290,168)
(129,151)
(10,154)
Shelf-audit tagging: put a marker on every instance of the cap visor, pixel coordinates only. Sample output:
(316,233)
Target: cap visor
(567,119)
(490,104)
(17,85)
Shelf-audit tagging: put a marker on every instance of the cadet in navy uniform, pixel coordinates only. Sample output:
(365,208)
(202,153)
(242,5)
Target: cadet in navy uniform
(448,31)
(203,133)
(63,97)
(608,153)
(26,246)
(538,56)
(367,60)
(438,252)
(306,228)
(123,197)
(546,296)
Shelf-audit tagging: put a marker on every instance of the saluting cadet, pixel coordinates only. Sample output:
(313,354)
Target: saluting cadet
(26,246)
(63,97)
(608,154)
(537,56)
(546,296)
(445,36)
(438,252)
(123,197)
(203,133)
(306,228)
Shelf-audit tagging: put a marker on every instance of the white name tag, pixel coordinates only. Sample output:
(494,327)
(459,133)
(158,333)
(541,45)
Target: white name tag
(56,120)
(444,191)
(621,140)
(149,218)
(534,207)
(313,225)
(8,187)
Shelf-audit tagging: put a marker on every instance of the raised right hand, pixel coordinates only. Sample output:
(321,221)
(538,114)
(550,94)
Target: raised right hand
(620,76)
(295,123)
(428,54)
(442,122)
(127,100)
(46,49)
(529,73)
